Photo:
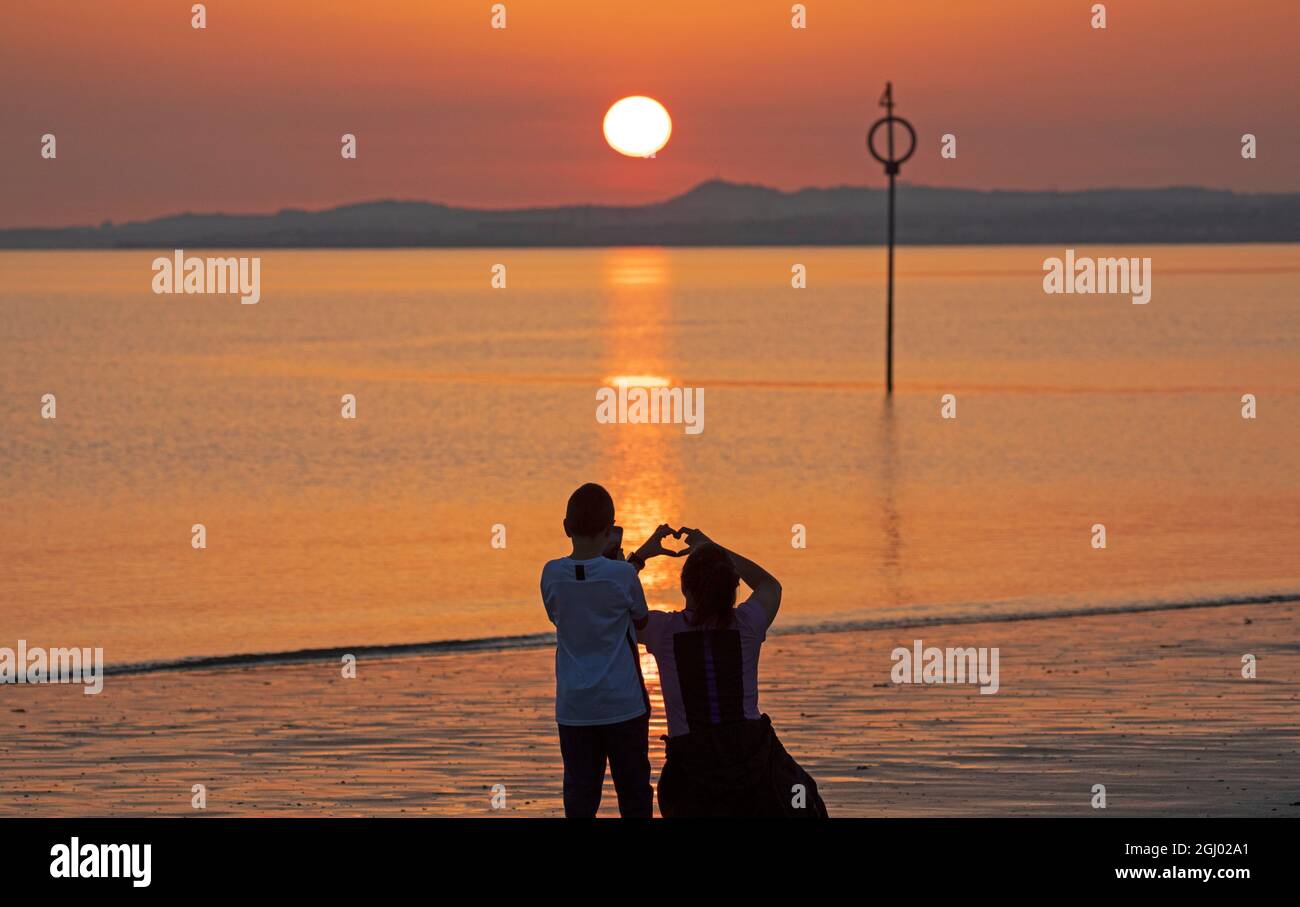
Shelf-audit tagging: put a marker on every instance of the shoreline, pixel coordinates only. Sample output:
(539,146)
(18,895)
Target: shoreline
(542,640)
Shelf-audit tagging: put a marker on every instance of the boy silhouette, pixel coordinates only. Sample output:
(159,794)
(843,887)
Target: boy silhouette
(595,600)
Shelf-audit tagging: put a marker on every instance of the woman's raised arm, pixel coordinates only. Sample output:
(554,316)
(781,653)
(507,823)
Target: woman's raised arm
(767,590)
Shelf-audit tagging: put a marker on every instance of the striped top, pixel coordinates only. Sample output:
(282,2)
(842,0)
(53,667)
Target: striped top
(708,676)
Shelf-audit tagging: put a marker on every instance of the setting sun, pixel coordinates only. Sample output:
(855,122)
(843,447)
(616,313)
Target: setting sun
(637,126)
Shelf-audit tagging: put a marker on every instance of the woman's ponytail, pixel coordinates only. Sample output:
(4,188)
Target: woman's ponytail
(709,580)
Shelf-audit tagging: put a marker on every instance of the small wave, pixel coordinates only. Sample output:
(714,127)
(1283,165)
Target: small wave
(849,626)
(541,640)
(296,656)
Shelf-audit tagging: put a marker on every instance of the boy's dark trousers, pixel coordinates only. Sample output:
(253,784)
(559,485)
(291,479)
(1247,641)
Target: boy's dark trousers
(627,747)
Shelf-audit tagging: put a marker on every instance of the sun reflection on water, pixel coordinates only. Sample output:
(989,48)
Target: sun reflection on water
(637,381)
(639,459)
(636,268)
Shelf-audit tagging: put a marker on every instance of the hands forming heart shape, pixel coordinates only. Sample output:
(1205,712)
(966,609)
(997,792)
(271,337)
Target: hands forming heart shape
(655,546)
(675,552)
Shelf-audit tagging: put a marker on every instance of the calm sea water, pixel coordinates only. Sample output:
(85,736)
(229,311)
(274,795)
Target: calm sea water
(477,406)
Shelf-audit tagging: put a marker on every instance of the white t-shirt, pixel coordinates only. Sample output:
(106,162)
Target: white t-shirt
(592,604)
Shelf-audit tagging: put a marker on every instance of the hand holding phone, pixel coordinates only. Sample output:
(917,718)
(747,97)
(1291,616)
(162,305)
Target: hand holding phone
(615,550)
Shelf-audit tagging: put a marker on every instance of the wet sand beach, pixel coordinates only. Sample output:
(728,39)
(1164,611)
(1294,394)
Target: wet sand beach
(1141,703)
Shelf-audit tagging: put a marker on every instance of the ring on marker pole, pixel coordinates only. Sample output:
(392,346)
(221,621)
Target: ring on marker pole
(891,167)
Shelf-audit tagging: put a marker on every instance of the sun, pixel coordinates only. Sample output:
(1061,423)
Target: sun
(637,126)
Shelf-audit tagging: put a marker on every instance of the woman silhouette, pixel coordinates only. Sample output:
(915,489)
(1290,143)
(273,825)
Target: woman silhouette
(723,757)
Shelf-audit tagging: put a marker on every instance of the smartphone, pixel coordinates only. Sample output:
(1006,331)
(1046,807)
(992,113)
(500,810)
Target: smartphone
(616,543)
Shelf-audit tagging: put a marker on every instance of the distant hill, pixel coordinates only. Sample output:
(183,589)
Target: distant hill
(729,214)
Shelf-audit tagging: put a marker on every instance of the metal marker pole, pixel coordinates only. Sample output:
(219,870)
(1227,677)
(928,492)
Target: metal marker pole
(892,165)
(889,293)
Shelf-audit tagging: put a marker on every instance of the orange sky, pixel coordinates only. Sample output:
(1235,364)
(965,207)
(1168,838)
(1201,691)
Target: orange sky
(153,117)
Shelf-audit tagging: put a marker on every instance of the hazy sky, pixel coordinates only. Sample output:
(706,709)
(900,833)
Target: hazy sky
(153,117)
